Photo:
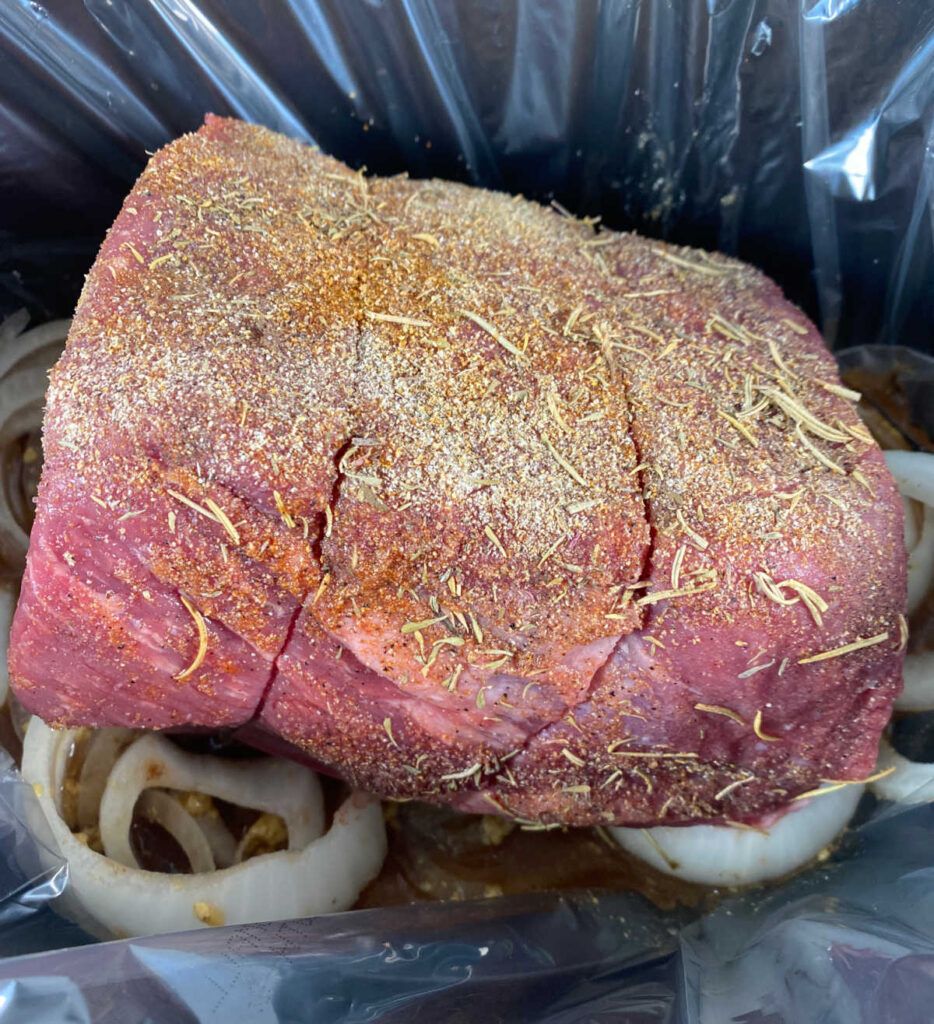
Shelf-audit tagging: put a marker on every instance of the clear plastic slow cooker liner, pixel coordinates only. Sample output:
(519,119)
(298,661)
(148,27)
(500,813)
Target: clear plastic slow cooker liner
(797,134)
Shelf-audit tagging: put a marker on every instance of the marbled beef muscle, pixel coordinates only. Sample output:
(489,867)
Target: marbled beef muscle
(471,503)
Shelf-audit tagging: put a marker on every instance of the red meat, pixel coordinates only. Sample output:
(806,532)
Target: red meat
(470,502)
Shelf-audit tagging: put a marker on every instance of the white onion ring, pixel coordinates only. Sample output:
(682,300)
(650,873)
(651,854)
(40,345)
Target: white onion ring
(918,673)
(166,811)
(22,397)
(913,473)
(914,511)
(103,749)
(25,359)
(278,787)
(326,876)
(14,542)
(21,400)
(16,347)
(912,782)
(724,856)
(7,606)
(14,324)
(921,562)
(222,843)
(11,484)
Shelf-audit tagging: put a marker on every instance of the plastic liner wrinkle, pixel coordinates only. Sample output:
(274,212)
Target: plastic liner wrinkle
(249,93)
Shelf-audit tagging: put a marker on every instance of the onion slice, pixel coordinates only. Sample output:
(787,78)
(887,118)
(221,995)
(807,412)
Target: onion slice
(918,673)
(16,347)
(921,562)
(278,787)
(222,843)
(722,855)
(914,475)
(103,749)
(13,325)
(914,511)
(22,396)
(7,604)
(166,811)
(25,358)
(912,782)
(326,875)
(21,399)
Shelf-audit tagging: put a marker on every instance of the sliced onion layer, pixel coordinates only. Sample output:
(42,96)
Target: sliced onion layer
(911,782)
(914,514)
(918,673)
(914,475)
(222,843)
(325,875)
(721,855)
(7,605)
(921,561)
(25,358)
(19,347)
(166,811)
(277,787)
(103,749)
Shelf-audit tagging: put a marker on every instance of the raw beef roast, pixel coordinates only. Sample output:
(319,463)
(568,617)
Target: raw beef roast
(467,500)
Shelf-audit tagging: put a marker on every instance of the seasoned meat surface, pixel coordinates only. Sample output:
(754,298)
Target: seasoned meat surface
(466,500)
